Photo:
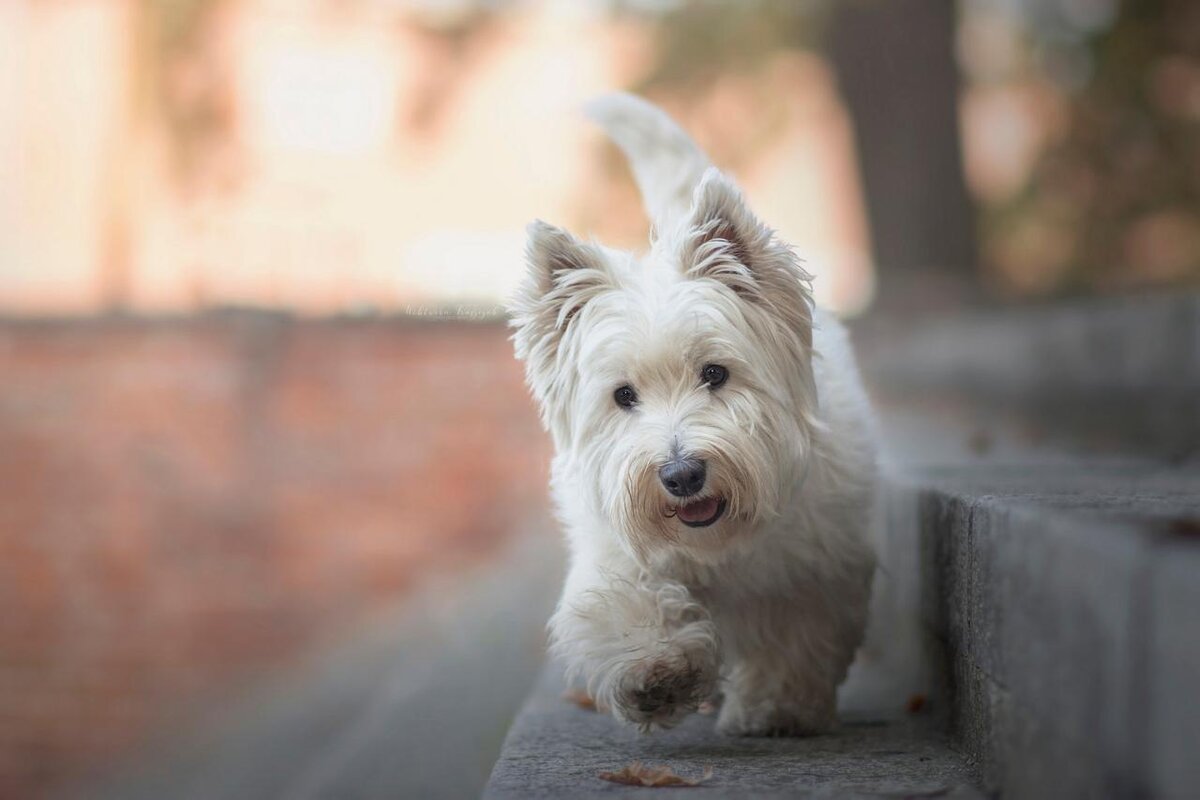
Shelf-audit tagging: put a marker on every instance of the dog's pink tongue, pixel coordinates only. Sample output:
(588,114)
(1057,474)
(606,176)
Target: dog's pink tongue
(699,510)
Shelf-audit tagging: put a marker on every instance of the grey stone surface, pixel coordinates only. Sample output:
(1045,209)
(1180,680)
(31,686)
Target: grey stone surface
(414,705)
(1059,647)
(1116,372)
(1171,671)
(1035,616)
(1057,574)
(556,749)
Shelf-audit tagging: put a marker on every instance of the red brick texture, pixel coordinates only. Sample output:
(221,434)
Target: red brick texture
(185,502)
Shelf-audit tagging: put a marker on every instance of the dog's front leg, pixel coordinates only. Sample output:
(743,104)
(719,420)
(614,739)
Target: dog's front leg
(647,650)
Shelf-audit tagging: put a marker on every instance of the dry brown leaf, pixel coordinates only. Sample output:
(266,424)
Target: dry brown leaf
(638,774)
(580,698)
(915,704)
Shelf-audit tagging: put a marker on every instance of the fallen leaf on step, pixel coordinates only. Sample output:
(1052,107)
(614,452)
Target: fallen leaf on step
(580,698)
(915,703)
(638,774)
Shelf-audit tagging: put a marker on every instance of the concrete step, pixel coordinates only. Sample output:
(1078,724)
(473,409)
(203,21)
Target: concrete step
(415,704)
(1042,527)
(1120,373)
(557,749)
(1059,604)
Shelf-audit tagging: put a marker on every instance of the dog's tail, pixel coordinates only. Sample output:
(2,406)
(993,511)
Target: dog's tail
(666,163)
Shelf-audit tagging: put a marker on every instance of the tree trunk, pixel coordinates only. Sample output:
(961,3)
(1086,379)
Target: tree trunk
(896,67)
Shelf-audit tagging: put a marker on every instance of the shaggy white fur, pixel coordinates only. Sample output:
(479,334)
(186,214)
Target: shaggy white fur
(752,580)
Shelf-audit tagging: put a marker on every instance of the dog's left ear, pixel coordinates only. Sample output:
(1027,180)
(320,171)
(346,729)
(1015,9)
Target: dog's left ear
(726,243)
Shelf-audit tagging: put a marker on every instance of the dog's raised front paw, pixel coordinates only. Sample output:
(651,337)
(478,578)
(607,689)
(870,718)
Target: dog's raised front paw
(660,691)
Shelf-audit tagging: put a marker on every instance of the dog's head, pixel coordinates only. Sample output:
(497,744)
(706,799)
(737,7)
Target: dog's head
(677,386)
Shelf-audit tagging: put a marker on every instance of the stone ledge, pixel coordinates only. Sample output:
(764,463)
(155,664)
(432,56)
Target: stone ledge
(1118,373)
(1061,607)
(556,749)
(413,704)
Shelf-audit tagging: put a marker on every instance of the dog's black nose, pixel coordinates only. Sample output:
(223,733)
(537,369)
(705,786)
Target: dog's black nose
(683,477)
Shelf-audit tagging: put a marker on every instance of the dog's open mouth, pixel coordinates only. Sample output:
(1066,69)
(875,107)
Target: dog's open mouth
(701,513)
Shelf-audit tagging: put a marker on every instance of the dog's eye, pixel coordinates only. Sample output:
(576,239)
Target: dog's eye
(714,375)
(625,397)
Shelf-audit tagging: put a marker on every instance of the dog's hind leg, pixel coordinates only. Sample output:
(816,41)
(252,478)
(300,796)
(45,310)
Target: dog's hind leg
(785,658)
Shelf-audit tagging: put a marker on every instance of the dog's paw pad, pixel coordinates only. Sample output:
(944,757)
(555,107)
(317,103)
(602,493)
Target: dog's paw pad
(662,693)
(664,688)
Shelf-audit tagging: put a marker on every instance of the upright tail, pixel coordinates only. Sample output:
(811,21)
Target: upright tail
(666,163)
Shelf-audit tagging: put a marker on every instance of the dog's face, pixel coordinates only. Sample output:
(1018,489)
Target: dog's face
(677,387)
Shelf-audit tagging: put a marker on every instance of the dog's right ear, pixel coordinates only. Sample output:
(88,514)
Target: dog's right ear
(564,274)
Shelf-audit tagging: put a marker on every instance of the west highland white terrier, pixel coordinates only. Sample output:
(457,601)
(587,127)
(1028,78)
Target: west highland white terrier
(714,454)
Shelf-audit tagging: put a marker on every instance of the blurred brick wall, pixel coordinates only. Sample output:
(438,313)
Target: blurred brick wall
(184,502)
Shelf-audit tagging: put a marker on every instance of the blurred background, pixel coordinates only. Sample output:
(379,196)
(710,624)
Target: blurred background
(255,388)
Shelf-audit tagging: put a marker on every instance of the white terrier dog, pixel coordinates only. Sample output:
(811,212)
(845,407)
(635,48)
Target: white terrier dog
(715,454)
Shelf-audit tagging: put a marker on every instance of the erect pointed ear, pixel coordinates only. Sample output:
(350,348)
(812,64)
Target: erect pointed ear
(564,274)
(726,243)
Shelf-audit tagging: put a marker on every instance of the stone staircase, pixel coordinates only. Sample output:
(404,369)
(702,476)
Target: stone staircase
(413,703)
(1040,532)
(1037,601)
(556,749)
